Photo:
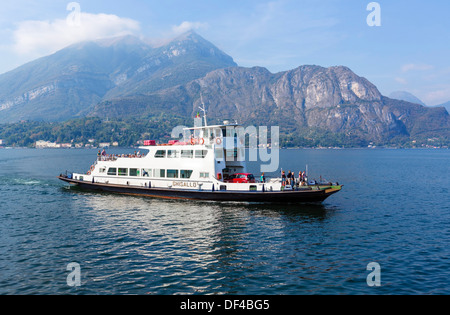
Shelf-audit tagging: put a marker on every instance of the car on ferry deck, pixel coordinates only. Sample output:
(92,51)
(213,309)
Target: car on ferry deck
(241,178)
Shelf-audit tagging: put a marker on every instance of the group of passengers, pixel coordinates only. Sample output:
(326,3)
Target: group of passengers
(289,179)
(102,156)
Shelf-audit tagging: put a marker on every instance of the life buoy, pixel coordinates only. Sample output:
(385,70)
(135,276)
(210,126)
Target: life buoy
(197,141)
(92,168)
(218,141)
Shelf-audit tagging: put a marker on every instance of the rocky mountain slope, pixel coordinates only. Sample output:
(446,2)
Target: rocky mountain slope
(310,97)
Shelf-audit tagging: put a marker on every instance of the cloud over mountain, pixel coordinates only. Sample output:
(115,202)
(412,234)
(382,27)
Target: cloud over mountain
(39,38)
(187,26)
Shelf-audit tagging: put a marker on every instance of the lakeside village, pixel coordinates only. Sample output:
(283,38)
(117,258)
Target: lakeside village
(41,144)
(93,144)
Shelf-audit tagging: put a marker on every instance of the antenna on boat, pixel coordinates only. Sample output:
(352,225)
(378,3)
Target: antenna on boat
(203,109)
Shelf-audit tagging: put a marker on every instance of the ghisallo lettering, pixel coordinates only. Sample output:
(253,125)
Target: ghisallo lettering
(185,184)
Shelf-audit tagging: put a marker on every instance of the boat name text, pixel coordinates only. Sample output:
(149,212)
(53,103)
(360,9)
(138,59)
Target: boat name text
(185,184)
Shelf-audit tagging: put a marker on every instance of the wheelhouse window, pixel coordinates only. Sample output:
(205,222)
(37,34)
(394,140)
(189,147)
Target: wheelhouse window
(160,154)
(230,132)
(187,154)
(185,174)
(172,173)
(173,154)
(219,154)
(204,175)
(231,155)
(211,134)
(200,154)
(112,171)
(123,172)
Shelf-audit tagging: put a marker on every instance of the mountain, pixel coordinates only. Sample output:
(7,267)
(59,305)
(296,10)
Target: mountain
(406,96)
(70,82)
(186,58)
(446,105)
(128,78)
(67,83)
(420,122)
(331,99)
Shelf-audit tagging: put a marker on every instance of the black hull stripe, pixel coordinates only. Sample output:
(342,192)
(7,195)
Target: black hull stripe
(272,197)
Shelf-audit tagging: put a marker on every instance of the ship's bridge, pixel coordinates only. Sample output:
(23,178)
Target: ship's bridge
(228,143)
(226,135)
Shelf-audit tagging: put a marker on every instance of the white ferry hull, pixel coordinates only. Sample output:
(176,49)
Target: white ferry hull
(313,194)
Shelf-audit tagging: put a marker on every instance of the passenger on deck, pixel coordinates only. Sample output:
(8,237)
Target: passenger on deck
(292,179)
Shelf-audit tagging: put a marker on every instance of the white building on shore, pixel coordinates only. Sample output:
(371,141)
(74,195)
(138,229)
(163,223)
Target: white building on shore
(46,144)
(52,145)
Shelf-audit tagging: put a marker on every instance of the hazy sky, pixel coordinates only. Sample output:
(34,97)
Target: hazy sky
(409,51)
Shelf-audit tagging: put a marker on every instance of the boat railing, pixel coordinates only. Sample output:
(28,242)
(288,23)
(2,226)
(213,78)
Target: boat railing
(108,157)
(114,157)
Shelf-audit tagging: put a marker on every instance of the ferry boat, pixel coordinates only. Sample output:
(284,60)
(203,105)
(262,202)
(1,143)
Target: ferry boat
(209,166)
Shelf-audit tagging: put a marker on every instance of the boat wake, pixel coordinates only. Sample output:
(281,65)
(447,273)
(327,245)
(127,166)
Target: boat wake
(8,181)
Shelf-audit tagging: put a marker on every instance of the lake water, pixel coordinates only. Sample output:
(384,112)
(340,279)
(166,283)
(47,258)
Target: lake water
(394,210)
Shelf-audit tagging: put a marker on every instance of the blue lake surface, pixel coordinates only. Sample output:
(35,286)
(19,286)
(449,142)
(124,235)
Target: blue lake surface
(394,210)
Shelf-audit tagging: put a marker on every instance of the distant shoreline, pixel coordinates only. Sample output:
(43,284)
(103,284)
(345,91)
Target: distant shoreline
(294,148)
